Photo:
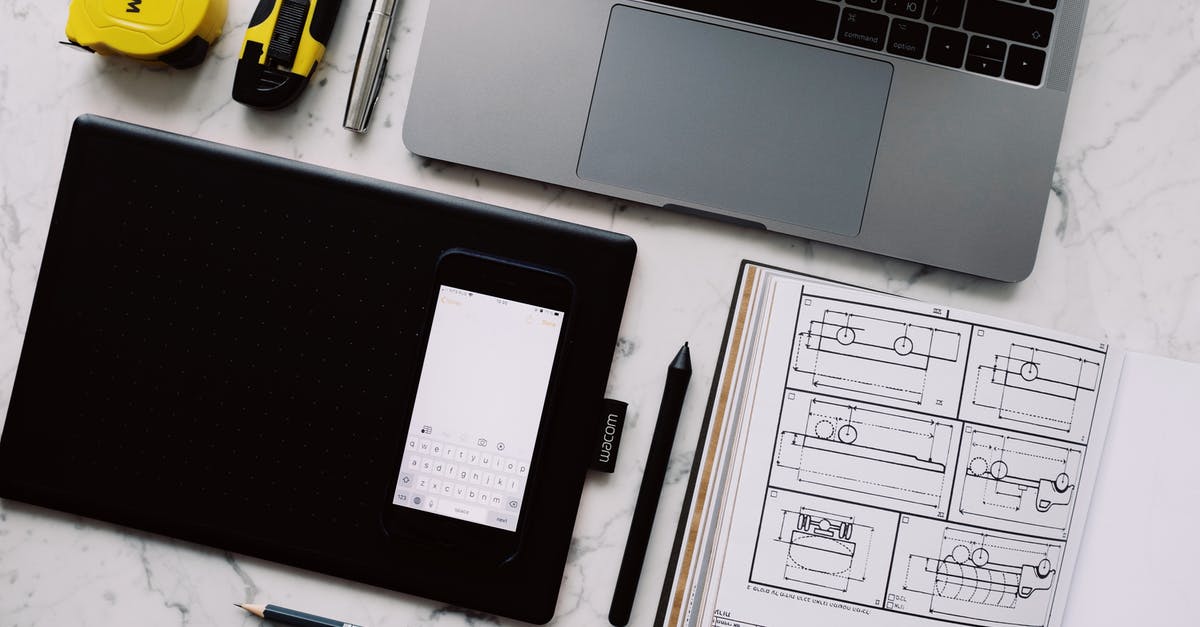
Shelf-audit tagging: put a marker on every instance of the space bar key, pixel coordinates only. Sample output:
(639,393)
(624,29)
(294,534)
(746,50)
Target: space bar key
(462,511)
(807,17)
(803,17)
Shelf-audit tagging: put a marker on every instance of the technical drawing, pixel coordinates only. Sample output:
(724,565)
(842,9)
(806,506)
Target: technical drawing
(1033,385)
(984,578)
(866,454)
(824,549)
(1017,482)
(878,355)
(903,350)
(809,544)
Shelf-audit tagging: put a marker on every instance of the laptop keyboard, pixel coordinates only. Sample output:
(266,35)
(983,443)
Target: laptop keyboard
(998,38)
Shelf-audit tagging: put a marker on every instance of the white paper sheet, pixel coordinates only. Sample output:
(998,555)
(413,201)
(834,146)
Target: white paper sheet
(1140,549)
(874,460)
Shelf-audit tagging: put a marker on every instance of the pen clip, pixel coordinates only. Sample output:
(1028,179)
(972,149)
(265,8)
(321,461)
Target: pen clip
(376,84)
(369,68)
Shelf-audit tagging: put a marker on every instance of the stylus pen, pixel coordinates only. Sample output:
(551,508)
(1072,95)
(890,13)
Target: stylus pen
(678,375)
(372,60)
(284,616)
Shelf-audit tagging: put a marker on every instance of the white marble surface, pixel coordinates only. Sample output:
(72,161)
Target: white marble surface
(1120,259)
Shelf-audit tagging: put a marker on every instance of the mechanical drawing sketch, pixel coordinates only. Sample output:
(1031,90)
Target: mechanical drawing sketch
(973,575)
(1017,482)
(1031,384)
(813,545)
(876,461)
(865,453)
(878,355)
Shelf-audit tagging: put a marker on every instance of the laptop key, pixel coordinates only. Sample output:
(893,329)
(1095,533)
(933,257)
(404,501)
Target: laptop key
(866,4)
(945,12)
(803,17)
(983,65)
(1045,4)
(907,39)
(1006,20)
(863,29)
(946,47)
(905,8)
(809,17)
(989,48)
(1025,65)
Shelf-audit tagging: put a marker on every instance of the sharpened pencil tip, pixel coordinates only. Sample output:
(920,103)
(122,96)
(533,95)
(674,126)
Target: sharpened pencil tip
(253,608)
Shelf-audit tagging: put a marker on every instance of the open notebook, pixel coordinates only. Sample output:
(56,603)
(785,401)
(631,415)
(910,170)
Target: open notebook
(875,460)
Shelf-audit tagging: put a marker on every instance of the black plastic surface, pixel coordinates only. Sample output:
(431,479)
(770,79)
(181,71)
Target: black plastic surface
(221,342)
(262,11)
(288,30)
(324,16)
(263,86)
(188,55)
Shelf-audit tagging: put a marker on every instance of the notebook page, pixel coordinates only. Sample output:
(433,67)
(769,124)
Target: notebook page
(1140,551)
(881,461)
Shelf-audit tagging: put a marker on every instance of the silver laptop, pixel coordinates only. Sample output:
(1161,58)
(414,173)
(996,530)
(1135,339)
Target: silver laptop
(921,129)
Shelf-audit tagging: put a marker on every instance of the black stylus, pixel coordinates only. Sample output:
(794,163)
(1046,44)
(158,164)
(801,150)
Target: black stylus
(678,375)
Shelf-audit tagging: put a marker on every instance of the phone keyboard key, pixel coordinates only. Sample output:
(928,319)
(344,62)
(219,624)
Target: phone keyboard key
(463,482)
(504,520)
(863,29)
(462,511)
(1006,20)
(946,47)
(1025,65)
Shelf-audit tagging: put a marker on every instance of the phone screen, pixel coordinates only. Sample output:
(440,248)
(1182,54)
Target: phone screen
(478,407)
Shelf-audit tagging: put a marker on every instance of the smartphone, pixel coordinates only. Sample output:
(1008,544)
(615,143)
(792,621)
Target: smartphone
(492,351)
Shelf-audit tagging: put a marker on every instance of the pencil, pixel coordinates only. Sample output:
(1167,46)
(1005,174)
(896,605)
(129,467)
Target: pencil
(284,616)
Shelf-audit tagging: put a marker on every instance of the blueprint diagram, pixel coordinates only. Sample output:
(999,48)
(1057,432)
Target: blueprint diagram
(1017,482)
(974,576)
(865,453)
(810,544)
(876,461)
(878,355)
(1031,384)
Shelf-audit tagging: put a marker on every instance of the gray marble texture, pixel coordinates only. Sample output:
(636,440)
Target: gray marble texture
(1120,260)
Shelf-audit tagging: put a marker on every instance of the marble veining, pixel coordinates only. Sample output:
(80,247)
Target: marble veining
(1119,259)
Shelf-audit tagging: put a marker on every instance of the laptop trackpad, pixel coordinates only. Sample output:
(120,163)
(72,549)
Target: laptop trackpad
(715,116)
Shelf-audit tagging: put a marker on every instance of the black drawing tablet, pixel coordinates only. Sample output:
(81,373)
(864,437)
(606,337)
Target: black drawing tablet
(222,348)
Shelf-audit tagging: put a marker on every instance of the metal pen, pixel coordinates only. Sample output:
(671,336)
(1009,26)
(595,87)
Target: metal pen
(372,60)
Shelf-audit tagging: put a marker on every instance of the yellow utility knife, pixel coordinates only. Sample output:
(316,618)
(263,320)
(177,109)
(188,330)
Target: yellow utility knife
(284,42)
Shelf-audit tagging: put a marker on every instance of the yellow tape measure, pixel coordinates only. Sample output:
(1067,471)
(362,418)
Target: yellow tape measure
(175,32)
